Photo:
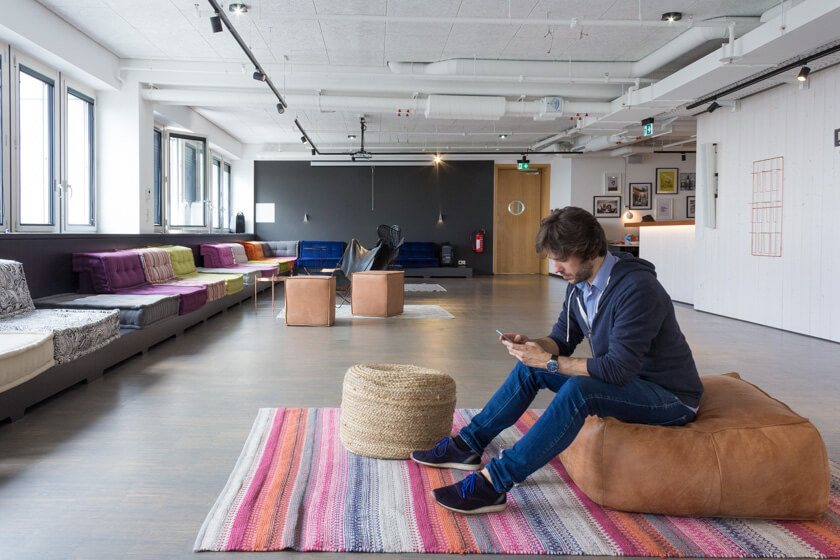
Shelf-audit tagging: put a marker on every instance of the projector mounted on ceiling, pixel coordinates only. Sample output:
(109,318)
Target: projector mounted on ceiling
(361,153)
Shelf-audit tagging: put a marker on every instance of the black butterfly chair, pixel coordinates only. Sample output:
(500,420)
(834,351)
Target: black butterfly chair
(390,241)
(355,259)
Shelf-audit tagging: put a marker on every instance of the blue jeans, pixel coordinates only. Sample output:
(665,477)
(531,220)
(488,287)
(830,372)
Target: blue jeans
(577,397)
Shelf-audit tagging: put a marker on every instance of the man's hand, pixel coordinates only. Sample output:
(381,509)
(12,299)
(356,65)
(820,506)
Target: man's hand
(515,337)
(529,353)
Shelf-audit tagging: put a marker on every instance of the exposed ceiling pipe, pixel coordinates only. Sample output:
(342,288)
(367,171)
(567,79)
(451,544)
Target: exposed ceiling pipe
(546,142)
(435,106)
(631,150)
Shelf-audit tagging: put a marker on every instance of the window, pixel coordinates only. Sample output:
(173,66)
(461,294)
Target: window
(50,163)
(186,181)
(36,151)
(158,186)
(79,184)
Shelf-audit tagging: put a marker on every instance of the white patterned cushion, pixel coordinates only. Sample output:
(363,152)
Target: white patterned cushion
(23,356)
(14,292)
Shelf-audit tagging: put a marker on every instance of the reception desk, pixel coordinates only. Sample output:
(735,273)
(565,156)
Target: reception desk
(670,247)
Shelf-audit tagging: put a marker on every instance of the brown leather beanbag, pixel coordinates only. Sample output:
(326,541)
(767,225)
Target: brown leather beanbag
(746,455)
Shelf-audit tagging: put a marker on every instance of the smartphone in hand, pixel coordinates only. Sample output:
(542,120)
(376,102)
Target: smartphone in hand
(505,337)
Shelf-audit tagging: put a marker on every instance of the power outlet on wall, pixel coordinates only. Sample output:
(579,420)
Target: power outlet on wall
(462,262)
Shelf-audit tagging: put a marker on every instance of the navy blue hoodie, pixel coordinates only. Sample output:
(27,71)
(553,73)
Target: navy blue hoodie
(635,332)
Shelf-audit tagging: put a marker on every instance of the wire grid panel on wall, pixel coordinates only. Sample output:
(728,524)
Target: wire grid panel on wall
(768,181)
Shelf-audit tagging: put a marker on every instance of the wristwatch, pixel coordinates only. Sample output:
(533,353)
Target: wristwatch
(551,364)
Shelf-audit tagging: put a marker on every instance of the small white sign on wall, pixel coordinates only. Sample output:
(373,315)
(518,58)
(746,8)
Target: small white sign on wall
(264,213)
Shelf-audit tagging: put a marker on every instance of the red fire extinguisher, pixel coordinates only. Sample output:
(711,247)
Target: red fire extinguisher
(478,241)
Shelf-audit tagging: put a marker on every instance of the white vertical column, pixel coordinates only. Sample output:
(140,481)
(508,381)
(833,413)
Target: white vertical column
(125,178)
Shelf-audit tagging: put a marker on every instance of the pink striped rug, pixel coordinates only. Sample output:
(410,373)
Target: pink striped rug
(295,487)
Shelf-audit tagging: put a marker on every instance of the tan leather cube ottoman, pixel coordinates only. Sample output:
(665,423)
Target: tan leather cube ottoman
(378,293)
(310,301)
(746,455)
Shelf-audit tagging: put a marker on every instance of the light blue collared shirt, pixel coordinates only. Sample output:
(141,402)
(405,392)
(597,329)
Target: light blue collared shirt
(592,292)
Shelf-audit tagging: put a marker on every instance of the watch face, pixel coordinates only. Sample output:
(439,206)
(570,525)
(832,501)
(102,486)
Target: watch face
(551,366)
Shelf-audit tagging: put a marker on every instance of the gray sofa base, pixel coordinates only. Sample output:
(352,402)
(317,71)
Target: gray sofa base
(88,368)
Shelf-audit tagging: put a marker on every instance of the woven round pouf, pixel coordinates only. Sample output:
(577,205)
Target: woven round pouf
(390,410)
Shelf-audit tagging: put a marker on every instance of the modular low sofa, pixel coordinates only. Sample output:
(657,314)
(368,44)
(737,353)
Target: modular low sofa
(183,265)
(24,355)
(418,254)
(315,255)
(136,311)
(223,256)
(76,332)
(283,253)
(121,272)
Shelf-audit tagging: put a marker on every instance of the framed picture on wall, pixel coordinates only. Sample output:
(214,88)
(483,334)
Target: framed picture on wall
(612,183)
(666,180)
(689,206)
(640,196)
(664,208)
(687,181)
(606,206)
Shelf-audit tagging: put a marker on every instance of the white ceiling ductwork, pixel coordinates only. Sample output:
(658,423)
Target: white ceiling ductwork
(582,71)
(466,107)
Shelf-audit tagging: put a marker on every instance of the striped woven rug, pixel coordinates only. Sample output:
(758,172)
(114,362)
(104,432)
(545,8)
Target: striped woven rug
(295,487)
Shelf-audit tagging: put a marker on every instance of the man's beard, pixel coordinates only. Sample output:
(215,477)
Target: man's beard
(584,272)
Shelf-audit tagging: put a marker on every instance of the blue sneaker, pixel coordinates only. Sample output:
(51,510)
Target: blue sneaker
(471,496)
(447,455)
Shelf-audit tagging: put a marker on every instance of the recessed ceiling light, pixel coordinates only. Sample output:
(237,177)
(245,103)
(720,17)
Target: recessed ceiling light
(437,159)
(503,136)
(672,16)
(237,8)
(351,136)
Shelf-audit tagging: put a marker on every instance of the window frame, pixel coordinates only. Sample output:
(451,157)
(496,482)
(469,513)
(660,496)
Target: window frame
(215,195)
(227,167)
(5,140)
(42,72)
(70,87)
(163,174)
(207,227)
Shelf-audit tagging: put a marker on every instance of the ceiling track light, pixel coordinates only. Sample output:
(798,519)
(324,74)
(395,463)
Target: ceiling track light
(713,107)
(281,108)
(671,16)
(238,8)
(216,23)
(259,76)
(803,74)
(303,140)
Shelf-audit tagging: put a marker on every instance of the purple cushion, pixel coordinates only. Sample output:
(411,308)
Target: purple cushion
(105,273)
(192,297)
(217,255)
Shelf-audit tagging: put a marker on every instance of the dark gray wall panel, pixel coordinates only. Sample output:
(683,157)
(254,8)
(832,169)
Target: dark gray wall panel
(338,201)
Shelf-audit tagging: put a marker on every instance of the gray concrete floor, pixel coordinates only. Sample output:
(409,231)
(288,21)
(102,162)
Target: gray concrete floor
(128,466)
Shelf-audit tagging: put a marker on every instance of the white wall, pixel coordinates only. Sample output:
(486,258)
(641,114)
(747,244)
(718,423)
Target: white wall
(587,179)
(797,291)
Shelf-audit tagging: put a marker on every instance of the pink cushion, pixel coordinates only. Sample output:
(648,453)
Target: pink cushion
(217,255)
(105,273)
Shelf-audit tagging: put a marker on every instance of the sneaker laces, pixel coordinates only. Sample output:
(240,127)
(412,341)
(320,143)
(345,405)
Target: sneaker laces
(468,485)
(441,446)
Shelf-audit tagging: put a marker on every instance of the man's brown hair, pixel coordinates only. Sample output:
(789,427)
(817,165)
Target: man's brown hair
(571,231)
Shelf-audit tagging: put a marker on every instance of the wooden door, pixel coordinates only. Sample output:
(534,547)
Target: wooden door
(517,220)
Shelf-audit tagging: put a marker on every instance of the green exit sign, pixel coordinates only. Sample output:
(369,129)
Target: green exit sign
(647,127)
(523,165)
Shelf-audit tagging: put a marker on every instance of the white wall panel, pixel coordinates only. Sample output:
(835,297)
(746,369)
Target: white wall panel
(797,291)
